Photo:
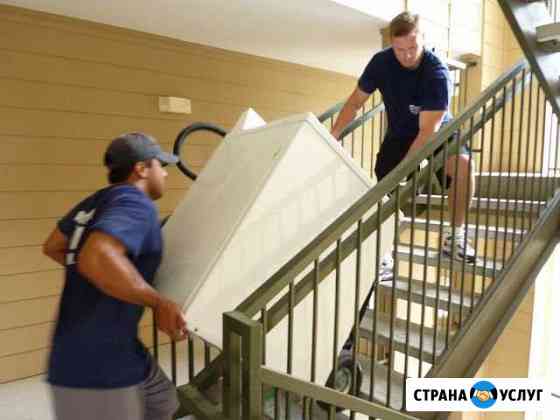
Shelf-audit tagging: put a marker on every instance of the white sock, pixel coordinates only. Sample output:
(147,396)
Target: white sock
(449,231)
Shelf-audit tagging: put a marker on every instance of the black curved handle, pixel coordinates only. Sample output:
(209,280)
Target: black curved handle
(182,138)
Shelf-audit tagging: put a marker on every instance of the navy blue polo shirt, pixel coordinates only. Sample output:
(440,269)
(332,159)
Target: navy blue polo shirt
(406,92)
(95,344)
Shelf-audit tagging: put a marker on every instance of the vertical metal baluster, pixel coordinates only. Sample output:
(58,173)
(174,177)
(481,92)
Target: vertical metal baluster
(174,362)
(527,152)
(507,193)
(457,89)
(306,407)
(363,142)
(206,354)
(276,404)
(498,193)
(466,225)
(357,305)
(291,304)
(540,197)
(393,297)
(425,267)
(336,305)
(479,186)
(353,145)
(264,320)
(332,411)
(314,331)
(381,137)
(464,87)
(375,302)
(548,193)
(191,357)
(534,160)
(156,337)
(490,184)
(457,146)
(372,156)
(410,270)
(456,100)
(516,193)
(382,128)
(556,155)
(440,247)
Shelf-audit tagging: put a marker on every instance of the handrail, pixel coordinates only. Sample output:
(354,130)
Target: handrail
(277,282)
(182,138)
(362,119)
(330,112)
(204,126)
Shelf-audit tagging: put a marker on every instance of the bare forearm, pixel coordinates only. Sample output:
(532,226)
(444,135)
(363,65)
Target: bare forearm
(55,246)
(429,123)
(349,110)
(347,114)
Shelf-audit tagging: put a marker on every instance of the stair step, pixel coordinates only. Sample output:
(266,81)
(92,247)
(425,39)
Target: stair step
(493,232)
(383,336)
(380,374)
(419,257)
(493,204)
(548,37)
(548,32)
(401,291)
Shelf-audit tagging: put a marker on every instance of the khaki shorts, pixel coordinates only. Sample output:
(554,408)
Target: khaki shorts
(153,399)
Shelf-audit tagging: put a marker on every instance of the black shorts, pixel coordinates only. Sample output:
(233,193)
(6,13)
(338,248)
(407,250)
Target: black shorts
(393,151)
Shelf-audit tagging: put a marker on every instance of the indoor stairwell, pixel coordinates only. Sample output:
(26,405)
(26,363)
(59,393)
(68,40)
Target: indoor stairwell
(439,316)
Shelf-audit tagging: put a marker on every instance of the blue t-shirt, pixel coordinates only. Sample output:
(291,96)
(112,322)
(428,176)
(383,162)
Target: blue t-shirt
(95,343)
(406,92)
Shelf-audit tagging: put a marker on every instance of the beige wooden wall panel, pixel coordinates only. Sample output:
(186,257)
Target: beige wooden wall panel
(36,205)
(69,87)
(28,286)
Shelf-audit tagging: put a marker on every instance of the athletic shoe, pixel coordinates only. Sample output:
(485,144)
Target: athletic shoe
(463,250)
(386,269)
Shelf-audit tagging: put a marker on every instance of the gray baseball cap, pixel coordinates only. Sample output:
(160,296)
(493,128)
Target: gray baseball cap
(130,148)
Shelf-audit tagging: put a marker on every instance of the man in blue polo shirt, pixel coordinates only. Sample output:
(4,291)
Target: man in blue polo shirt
(110,245)
(415,86)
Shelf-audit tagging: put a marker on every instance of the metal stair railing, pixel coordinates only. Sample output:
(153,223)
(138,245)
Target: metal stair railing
(278,297)
(302,275)
(468,294)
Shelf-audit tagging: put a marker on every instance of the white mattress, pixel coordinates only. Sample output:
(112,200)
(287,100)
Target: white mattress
(262,197)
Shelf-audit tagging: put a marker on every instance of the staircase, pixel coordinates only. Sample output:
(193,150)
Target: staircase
(439,316)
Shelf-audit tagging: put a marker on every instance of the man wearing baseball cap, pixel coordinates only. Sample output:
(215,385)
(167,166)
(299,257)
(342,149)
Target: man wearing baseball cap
(111,246)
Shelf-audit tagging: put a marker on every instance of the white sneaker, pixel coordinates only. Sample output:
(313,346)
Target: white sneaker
(463,249)
(386,269)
